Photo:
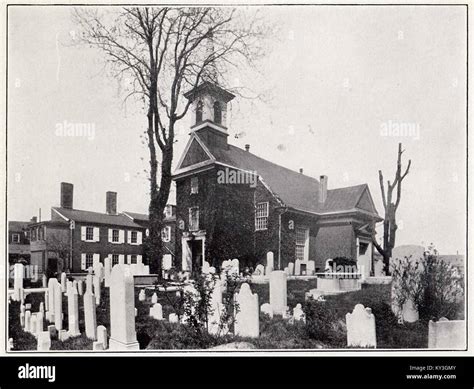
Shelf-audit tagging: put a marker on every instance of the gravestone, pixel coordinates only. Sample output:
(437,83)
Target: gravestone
(267,309)
(291,268)
(63,335)
(80,287)
(246,319)
(90,315)
(142,295)
(298,314)
(278,290)
(73,312)
(27,321)
(447,334)
(154,298)
(205,267)
(214,318)
(96,283)
(44,281)
(63,282)
(18,275)
(235,266)
(58,307)
(156,311)
(41,307)
(167,262)
(298,267)
(270,263)
(122,310)
(44,341)
(28,306)
(33,329)
(39,322)
(310,268)
(89,284)
(173,318)
(361,327)
(101,343)
(259,270)
(22,320)
(107,271)
(53,333)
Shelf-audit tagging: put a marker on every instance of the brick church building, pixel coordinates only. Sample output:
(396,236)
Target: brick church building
(231,203)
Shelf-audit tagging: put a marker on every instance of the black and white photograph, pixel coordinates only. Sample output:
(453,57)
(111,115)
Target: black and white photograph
(224,179)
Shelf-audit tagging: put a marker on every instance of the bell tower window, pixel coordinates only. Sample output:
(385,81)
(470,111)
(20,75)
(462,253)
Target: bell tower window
(217,113)
(199,108)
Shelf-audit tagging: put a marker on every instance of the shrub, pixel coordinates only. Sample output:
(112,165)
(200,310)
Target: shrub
(323,324)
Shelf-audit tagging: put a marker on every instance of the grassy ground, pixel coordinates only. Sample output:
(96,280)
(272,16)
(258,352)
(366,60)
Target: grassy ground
(274,333)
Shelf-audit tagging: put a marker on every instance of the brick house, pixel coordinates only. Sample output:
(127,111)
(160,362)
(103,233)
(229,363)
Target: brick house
(18,241)
(74,239)
(231,203)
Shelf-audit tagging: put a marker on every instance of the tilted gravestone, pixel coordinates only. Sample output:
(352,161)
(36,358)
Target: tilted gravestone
(90,315)
(447,334)
(278,290)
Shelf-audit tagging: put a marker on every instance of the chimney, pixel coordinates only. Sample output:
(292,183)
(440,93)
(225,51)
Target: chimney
(301,170)
(247,147)
(323,189)
(111,203)
(34,219)
(67,191)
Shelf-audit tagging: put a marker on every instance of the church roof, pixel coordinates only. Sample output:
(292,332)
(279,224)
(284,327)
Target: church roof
(209,87)
(294,189)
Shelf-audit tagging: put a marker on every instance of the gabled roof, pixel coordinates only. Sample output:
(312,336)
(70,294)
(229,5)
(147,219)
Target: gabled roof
(16,226)
(294,189)
(96,217)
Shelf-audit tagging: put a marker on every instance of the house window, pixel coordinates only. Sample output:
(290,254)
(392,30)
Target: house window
(194,219)
(40,233)
(217,113)
(115,236)
(15,238)
(261,216)
(199,108)
(89,233)
(134,237)
(300,243)
(363,248)
(133,258)
(194,185)
(89,260)
(33,234)
(166,234)
(115,259)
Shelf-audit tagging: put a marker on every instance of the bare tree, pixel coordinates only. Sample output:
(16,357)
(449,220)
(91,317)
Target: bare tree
(61,248)
(390,204)
(164,51)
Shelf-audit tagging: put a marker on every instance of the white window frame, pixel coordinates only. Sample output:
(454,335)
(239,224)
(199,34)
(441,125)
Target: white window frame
(261,216)
(89,256)
(166,237)
(304,245)
(91,230)
(195,185)
(112,259)
(17,240)
(193,227)
(132,234)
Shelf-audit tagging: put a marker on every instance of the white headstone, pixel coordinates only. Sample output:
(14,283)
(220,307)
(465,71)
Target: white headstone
(156,311)
(205,267)
(278,290)
(410,312)
(310,268)
(298,267)
(141,295)
(235,266)
(446,334)
(33,329)
(167,262)
(96,283)
(80,287)
(22,320)
(27,321)
(63,282)
(102,336)
(63,335)
(89,284)
(214,317)
(58,307)
(90,315)
(41,307)
(259,270)
(44,281)
(298,313)
(122,306)
(270,263)
(173,318)
(18,275)
(154,298)
(73,312)
(107,270)
(39,322)
(246,319)
(44,341)
(291,268)
(267,309)
(361,327)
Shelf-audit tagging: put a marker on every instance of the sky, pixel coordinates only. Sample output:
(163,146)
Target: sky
(337,82)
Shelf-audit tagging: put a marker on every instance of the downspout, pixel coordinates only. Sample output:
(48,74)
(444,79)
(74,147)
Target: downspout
(279,236)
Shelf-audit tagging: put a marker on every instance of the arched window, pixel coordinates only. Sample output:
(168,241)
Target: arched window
(199,112)
(217,113)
